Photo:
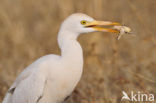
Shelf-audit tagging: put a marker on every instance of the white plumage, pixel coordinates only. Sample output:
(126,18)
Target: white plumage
(52,78)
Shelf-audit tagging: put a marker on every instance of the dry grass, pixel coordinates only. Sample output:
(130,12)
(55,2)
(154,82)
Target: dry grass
(110,66)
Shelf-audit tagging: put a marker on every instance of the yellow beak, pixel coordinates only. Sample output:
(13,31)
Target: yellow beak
(98,26)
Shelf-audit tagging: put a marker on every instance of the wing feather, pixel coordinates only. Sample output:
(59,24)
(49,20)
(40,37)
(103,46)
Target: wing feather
(28,87)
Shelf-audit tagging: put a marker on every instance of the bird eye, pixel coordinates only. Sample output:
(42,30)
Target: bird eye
(83,22)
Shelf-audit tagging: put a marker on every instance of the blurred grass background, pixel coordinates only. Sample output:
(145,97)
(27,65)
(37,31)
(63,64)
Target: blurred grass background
(28,30)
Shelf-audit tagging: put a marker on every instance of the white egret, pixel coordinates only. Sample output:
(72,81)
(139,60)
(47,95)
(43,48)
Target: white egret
(52,78)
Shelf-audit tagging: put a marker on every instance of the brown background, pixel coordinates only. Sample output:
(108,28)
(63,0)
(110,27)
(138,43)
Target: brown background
(28,30)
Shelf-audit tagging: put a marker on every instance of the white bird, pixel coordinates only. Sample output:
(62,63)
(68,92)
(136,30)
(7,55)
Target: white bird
(52,78)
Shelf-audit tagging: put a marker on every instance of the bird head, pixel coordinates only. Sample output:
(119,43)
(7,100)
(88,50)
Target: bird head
(81,23)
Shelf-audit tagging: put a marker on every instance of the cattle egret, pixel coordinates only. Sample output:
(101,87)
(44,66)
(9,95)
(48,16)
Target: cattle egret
(52,78)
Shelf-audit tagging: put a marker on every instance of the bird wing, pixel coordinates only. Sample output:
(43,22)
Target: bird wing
(21,77)
(28,87)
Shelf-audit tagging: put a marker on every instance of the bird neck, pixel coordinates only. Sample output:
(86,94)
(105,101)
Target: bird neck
(70,47)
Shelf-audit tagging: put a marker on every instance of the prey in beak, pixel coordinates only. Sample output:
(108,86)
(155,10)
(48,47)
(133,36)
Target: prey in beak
(101,26)
(116,27)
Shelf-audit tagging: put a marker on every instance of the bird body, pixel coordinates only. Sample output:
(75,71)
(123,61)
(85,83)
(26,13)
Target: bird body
(52,78)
